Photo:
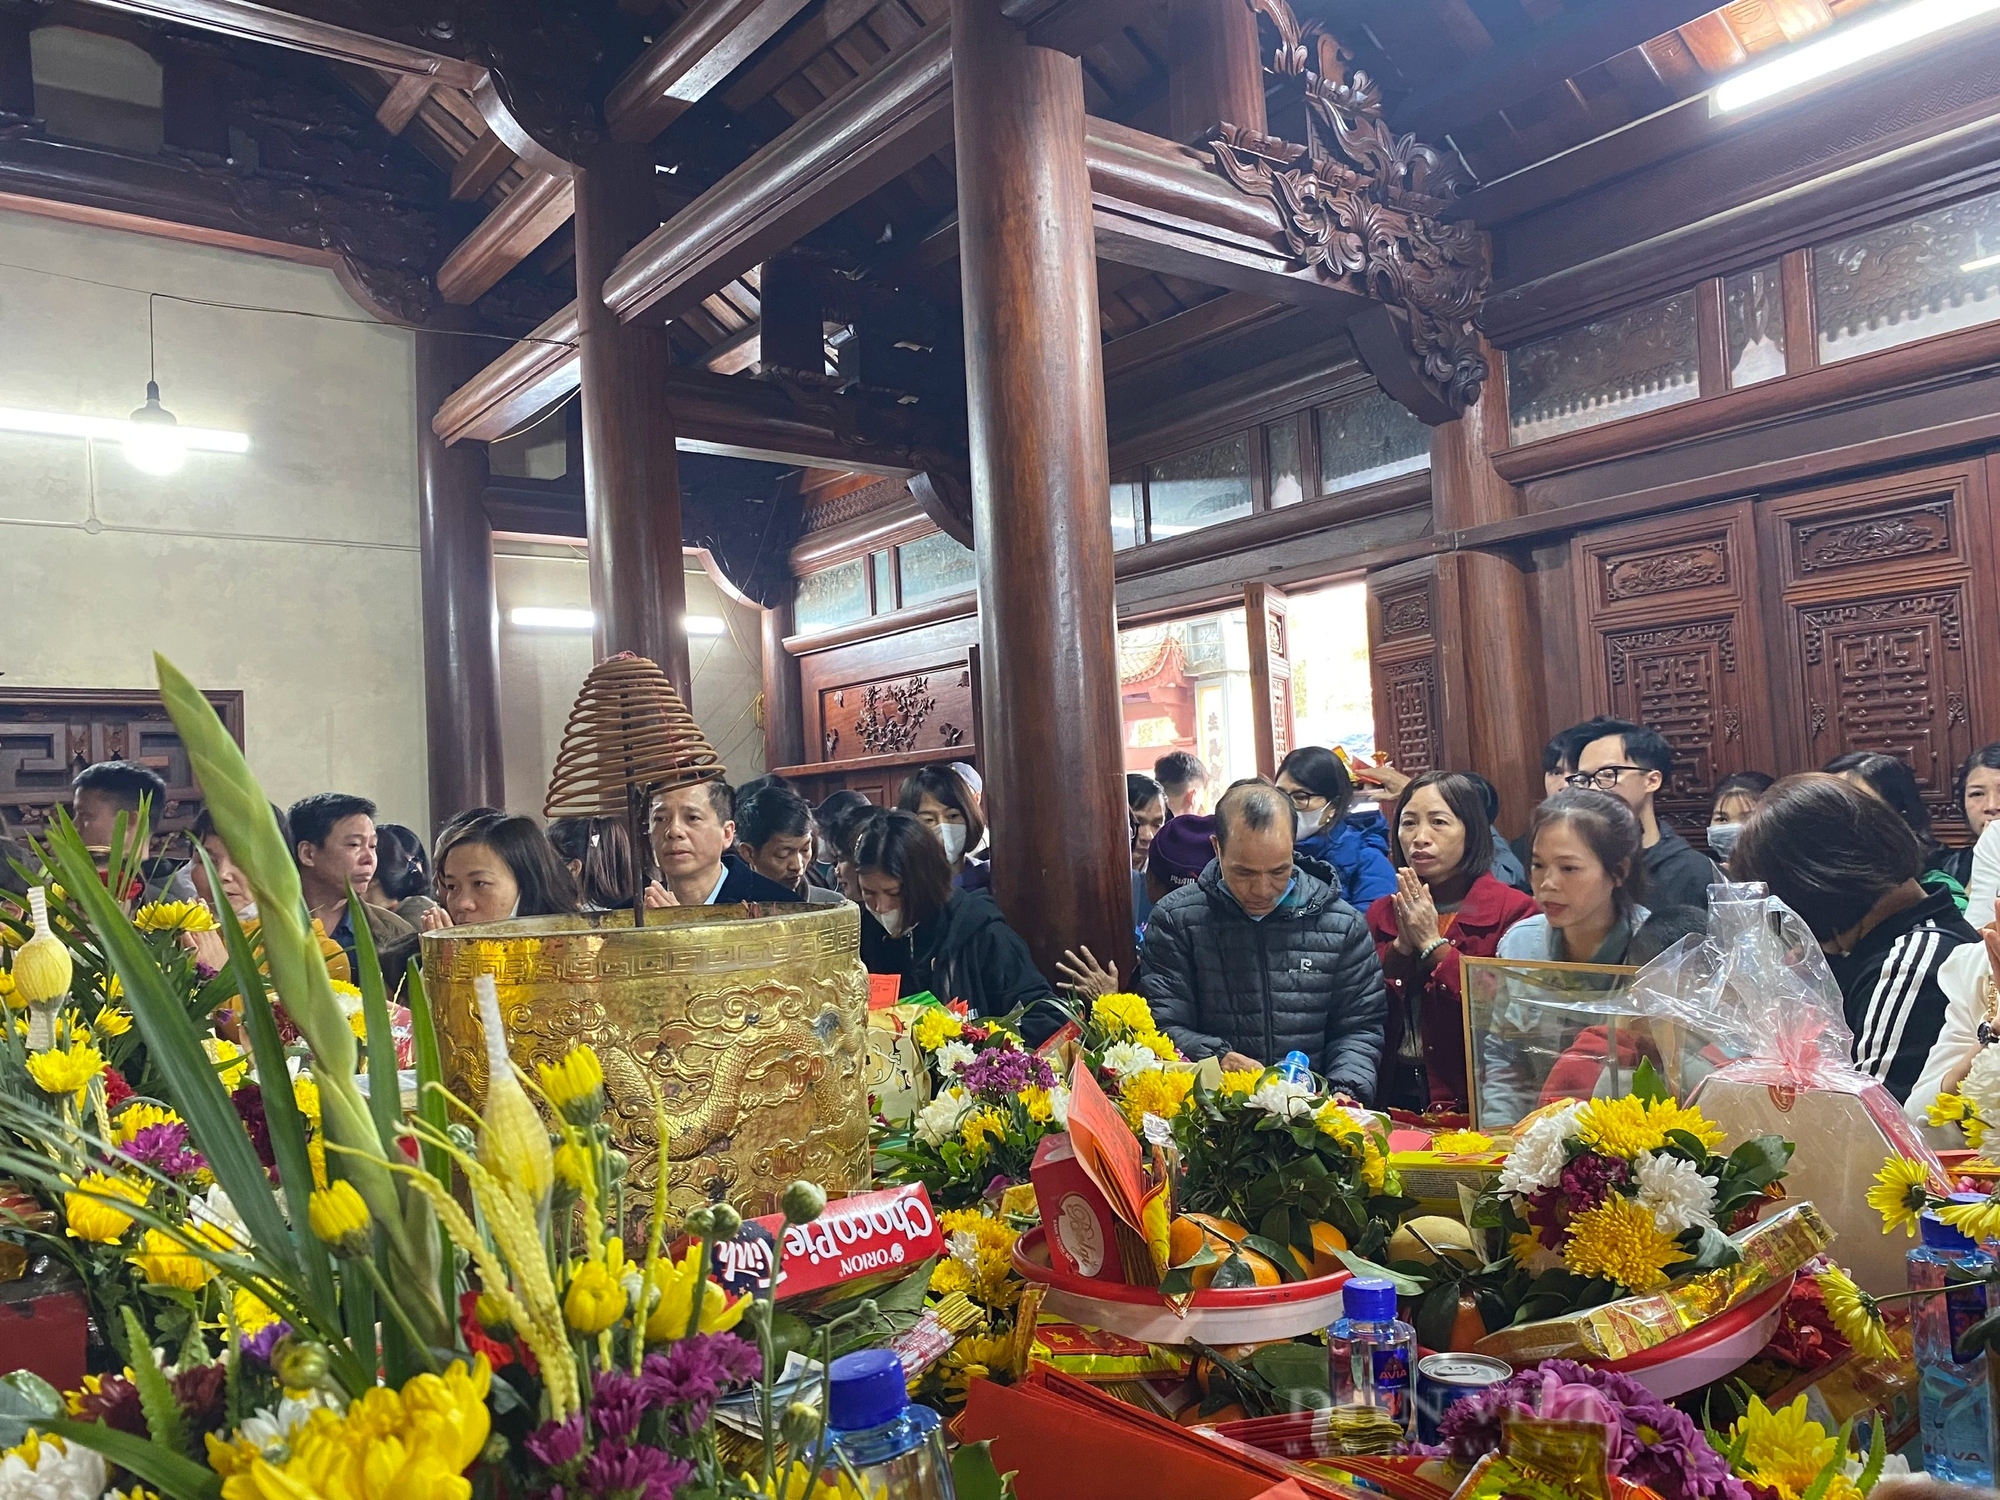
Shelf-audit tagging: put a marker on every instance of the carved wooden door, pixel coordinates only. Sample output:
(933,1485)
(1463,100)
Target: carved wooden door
(1672,639)
(1880,620)
(47,735)
(1405,635)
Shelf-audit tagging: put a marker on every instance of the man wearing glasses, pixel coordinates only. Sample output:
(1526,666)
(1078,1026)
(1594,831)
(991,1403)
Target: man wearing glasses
(1632,762)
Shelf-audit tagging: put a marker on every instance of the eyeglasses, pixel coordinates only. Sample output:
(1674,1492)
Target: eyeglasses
(1604,778)
(1303,799)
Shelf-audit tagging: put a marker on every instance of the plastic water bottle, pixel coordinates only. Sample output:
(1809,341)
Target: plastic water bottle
(1952,1395)
(896,1447)
(1296,1068)
(1372,1353)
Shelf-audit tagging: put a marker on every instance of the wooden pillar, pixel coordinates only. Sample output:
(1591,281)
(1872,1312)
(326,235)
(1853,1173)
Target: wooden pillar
(1215,68)
(784,726)
(631,473)
(1267,632)
(17,68)
(461,619)
(1485,595)
(1052,746)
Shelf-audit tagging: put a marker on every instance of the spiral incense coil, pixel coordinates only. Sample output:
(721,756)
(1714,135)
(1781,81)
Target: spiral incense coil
(628,732)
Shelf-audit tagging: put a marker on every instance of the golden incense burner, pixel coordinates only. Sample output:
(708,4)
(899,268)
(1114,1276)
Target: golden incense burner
(755,1028)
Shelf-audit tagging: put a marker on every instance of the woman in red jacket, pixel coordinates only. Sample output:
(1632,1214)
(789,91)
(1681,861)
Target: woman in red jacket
(1444,905)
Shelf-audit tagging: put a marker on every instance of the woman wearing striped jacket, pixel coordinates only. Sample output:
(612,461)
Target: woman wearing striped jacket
(1847,864)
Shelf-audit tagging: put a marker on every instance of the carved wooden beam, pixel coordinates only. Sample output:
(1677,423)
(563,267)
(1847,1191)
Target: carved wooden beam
(356,31)
(529,378)
(704,47)
(1074,26)
(476,171)
(525,218)
(406,96)
(872,131)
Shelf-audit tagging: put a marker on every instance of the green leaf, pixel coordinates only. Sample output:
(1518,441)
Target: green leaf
(974,1477)
(1647,1084)
(1436,1313)
(1277,1225)
(1276,1252)
(281,1110)
(176,1477)
(1233,1273)
(175,1050)
(432,1110)
(156,1395)
(1406,1286)
(25,1401)
(357,1301)
(1712,1250)
(1296,1370)
(1878,1455)
(385,1094)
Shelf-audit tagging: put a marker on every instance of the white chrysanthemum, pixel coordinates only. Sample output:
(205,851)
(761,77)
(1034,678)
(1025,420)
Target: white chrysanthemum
(1677,1195)
(951,1057)
(50,1469)
(1538,1156)
(1059,1105)
(1129,1059)
(272,1430)
(963,1246)
(1982,1083)
(939,1120)
(216,1209)
(1283,1098)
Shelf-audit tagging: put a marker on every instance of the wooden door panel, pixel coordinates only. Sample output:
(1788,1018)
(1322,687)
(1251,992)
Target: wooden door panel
(1403,647)
(1682,680)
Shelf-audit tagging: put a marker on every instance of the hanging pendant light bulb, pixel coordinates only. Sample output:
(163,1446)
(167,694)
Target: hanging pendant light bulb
(153,445)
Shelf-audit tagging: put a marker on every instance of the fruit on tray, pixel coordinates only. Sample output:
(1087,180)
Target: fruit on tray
(1428,1239)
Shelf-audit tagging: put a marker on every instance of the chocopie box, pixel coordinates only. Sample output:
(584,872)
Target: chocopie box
(859,1244)
(1081,1230)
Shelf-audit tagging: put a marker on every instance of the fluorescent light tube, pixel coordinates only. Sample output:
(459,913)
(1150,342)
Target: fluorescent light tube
(538,617)
(119,430)
(706,625)
(1882,32)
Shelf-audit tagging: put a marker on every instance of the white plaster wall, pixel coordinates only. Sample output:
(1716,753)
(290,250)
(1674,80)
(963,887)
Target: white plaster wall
(541,670)
(289,572)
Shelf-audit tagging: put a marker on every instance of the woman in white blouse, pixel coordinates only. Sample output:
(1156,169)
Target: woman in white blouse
(1967,979)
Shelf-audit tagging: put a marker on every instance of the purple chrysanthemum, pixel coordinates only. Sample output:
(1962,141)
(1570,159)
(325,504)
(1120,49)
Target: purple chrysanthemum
(165,1149)
(557,1443)
(1004,1073)
(617,1402)
(695,1372)
(634,1473)
(258,1345)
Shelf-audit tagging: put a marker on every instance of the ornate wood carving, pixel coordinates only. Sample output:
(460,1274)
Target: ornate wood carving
(892,715)
(1363,207)
(1840,620)
(1663,570)
(47,735)
(1670,680)
(1413,714)
(1857,541)
(1407,613)
(1621,647)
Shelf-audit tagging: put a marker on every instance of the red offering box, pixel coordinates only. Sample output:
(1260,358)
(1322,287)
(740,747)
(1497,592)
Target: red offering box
(1082,1231)
(44,1322)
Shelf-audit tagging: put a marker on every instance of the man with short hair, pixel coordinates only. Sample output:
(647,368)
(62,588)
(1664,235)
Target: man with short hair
(1633,762)
(1183,782)
(333,844)
(103,791)
(774,837)
(1260,956)
(693,829)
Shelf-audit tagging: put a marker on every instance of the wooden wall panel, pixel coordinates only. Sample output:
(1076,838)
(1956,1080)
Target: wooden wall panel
(1881,595)
(1404,634)
(1666,608)
(1268,630)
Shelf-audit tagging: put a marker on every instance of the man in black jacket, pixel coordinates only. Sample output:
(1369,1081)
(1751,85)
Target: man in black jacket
(1633,762)
(693,827)
(1260,956)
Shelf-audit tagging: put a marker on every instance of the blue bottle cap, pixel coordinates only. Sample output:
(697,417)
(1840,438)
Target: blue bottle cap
(1296,1065)
(1935,1234)
(1368,1299)
(868,1390)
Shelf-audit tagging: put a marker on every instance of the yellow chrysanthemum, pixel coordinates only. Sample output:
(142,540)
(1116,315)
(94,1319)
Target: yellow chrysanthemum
(949,1276)
(982,1248)
(1619,1241)
(575,1086)
(1855,1314)
(114,987)
(935,1027)
(387,1446)
(66,1070)
(250,1310)
(1374,1167)
(166,1261)
(979,1127)
(797,1482)
(1783,1449)
(1947,1109)
(357,1022)
(1241,1081)
(305,1094)
(92,1210)
(1158,1045)
(1461,1143)
(1980,1221)
(1339,1122)
(675,1283)
(1037,1103)
(1159,1091)
(1123,1015)
(173,916)
(573,1167)
(137,1116)
(229,1060)
(1626,1126)
(975,1357)
(1901,1190)
(596,1297)
(340,1220)
(114,1020)
(7,992)
(316,1159)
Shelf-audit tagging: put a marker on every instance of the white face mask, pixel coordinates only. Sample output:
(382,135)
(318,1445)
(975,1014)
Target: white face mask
(952,836)
(1308,822)
(892,921)
(1722,838)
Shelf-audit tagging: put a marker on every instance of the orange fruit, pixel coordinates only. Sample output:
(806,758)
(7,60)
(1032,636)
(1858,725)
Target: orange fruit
(1468,1328)
(1188,1233)
(1228,1229)
(1326,1240)
(1262,1271)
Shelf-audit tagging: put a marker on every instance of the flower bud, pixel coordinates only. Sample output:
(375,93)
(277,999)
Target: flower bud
(619,1164)
(700,1222)
(800,1427)
(462,1137)
(297,1363)
(727,1221)
(496,1449)
(803,1202)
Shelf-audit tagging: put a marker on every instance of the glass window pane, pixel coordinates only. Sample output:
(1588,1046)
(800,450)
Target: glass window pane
(1925,276)
(935,567)
(885,581)
(1369,438)
(1753,325)
(1193,490)
(1620,366)
(1281,448)
(1186,686)
(1127,511)
(832,596)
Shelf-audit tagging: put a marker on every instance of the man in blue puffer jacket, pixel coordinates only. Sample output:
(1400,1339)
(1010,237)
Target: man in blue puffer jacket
(1261,956)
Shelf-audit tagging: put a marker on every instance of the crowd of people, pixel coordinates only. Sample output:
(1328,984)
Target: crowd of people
(1324,911)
